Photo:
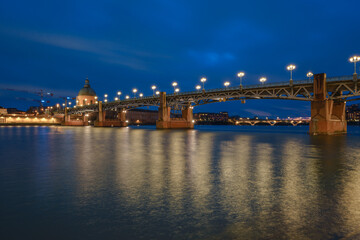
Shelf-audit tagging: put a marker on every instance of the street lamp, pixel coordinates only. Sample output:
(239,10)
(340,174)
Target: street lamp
(203,80)
(153,87)
(119,94)
(105,98)
(116,98)
(241,75)
(309,75)
(141,95)
(174,84)
(198,87)
(291,67)
(157,92)
(127,97)
(226,84)
(263,80)
(354,59)
(134,91)
(177,90)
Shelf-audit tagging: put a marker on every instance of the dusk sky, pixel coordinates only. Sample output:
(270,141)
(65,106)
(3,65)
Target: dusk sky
(119,45)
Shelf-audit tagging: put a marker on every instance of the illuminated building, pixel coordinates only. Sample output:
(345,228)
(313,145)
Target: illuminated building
(86,95)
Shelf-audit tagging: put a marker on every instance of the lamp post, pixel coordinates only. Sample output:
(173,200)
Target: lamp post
(157,92)
(354,59)
(198,87)
(291,67)
(141,95)
(174,84)
(105,97)
(134,91)
(241,75)
(262,80)
(153,87)
(226,84)
(127,97)
(309,75)
(203,80)
(119,94)
(177,90)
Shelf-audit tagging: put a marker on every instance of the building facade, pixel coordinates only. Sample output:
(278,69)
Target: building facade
(353,112)
(86,96)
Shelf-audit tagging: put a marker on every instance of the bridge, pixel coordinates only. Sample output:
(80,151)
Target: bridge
(328,98)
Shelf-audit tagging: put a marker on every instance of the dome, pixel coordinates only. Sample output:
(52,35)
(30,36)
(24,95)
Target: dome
(87,90)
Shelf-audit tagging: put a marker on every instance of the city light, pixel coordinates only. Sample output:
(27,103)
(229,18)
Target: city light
(116,98)
(95,98)
(174,84)
(198,87)
(69,103)
(141,95)
(119,93)
(291,67)
(127,97)
(309,75)
(157,92)
(203,80)
(177,90)
(153,87)
(226,84)
(263,80)
(105,100)
(241,75)
(354,59)
(134,91)
(106,95)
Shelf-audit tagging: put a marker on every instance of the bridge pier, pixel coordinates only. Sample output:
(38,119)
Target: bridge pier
(103,122)
(166,122)
(68,122)
(327,116)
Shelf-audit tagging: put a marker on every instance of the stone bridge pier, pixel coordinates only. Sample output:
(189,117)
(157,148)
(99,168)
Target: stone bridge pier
(79,121)
(103,122)
(166,122)
(327,116)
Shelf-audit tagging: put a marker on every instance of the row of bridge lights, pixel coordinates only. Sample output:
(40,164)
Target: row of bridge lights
(199,87)
(262,80)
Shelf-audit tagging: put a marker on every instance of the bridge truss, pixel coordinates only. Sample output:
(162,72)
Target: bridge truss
(343,88)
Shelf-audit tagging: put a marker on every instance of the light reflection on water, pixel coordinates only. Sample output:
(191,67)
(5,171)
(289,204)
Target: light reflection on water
(215,183)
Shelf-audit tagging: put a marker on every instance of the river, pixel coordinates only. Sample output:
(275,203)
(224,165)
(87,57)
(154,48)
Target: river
(214,182)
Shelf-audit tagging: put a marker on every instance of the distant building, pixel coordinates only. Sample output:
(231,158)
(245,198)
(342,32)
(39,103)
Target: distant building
(86,95)
(353,112)
(14,111)
(142,116)
(3,111)
(211,117)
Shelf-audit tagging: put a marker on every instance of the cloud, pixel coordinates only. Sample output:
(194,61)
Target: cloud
(107,51)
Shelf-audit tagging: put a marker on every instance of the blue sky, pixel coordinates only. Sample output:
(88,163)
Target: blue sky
(119,45)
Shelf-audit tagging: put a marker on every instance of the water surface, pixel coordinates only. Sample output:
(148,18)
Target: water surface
(214,182)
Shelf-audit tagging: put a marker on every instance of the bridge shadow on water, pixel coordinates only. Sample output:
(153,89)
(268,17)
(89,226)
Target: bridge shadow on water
(207,183)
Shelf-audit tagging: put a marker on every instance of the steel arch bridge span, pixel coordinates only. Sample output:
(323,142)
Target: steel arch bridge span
(342,88)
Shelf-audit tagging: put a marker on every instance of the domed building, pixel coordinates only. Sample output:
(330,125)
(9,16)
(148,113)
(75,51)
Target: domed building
(86,96)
